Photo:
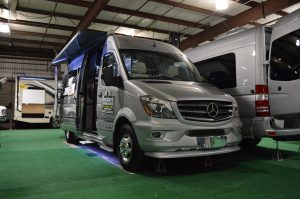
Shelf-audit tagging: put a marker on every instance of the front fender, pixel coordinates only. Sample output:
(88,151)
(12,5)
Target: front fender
(125,113)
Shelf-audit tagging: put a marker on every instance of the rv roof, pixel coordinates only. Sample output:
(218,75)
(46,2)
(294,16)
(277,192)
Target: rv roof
(128,42)
(79,43)
(288,18)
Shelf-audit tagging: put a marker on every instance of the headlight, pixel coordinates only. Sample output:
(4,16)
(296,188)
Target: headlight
(4,112)
(157,108)
(235,110)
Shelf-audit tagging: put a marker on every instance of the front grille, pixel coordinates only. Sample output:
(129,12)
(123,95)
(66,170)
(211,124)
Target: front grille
(196,110)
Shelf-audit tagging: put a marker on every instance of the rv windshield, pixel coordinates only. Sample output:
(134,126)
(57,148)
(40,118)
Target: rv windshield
(285,57)
(142,64)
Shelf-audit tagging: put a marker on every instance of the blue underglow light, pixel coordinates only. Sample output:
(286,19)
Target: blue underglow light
(107,156)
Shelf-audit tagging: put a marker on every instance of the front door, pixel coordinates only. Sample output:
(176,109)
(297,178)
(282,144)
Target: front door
(109,96)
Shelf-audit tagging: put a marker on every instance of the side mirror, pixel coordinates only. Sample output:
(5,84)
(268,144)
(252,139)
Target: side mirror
(109,78)
(119,82)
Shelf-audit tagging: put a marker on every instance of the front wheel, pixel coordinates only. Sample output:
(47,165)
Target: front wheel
(70,137)
(129,152)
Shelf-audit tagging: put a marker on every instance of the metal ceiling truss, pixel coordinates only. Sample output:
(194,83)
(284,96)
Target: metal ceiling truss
(136,13)
(257,11)
(252,14)
(77,17)
(27,52)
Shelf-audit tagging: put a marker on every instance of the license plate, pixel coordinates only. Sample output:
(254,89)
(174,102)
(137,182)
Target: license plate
(212,141)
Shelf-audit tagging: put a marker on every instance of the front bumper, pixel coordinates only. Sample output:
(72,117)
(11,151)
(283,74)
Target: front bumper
(193,153)
(3,118)
(176,141)
(262,128)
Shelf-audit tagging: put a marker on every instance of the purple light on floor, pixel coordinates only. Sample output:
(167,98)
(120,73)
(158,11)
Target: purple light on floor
(105,155)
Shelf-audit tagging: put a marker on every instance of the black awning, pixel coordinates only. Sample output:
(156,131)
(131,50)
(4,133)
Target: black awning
(78,44)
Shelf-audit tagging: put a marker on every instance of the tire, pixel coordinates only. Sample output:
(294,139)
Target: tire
(247,144)
(70,137)
(129,153)
(54,123)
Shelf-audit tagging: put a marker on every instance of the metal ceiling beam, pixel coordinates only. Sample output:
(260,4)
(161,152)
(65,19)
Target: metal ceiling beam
(27,51)
(136,13)
(22,58)
(248,3)
(197,9)
(155,17)
(37,34)
(96,7)
(74,2)
(192,8)
(37,24)
(252,14)
(254,3)
(26,41)
(76,17)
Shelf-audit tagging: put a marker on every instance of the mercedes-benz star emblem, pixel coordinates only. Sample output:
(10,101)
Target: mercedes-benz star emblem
(212,110)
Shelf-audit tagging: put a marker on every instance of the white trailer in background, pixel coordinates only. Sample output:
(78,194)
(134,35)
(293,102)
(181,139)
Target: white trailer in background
(3,109)
(34,100)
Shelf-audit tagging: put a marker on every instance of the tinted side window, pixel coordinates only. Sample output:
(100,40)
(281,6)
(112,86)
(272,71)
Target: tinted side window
(109,69)
(285,57)
(219,71)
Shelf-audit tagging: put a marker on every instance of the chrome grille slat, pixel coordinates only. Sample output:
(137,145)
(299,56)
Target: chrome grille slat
(193,105)
(197,110)
(190,111)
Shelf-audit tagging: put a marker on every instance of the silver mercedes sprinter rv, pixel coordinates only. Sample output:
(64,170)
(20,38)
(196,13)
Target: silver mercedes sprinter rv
(260,68)
(143,97)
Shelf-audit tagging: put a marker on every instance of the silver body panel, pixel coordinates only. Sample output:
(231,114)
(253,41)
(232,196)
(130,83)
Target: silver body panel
(176,140)
(251,48)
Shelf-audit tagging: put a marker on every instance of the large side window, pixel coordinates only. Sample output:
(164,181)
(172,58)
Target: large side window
(219,71)
(71,75)
(285,57)
(109,69)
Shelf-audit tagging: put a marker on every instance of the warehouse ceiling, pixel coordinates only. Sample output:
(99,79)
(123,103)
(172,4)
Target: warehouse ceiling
(44,26)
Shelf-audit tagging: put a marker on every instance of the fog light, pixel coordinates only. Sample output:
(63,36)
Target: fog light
(156,135)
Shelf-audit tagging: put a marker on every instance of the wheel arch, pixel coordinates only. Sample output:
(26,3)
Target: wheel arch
(118,124)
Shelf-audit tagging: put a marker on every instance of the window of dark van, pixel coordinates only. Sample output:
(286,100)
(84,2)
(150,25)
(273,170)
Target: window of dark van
(285,57)
(219,71)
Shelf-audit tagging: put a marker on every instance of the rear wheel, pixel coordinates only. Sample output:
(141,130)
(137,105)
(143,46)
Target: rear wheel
(129,152)
(70,137)
(249,143)
(54,123)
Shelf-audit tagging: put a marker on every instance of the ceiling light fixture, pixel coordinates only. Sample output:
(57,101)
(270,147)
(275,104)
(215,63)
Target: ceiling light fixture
(4,28)
(221,4)
(131,32)
(4,13)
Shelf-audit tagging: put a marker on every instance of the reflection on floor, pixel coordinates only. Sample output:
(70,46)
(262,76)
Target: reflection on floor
(39,164)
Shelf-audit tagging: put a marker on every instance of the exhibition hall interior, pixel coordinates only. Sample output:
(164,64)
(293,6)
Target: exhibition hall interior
(144,99)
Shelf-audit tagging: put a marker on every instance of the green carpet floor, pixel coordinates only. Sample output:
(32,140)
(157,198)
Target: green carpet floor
(38,164)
